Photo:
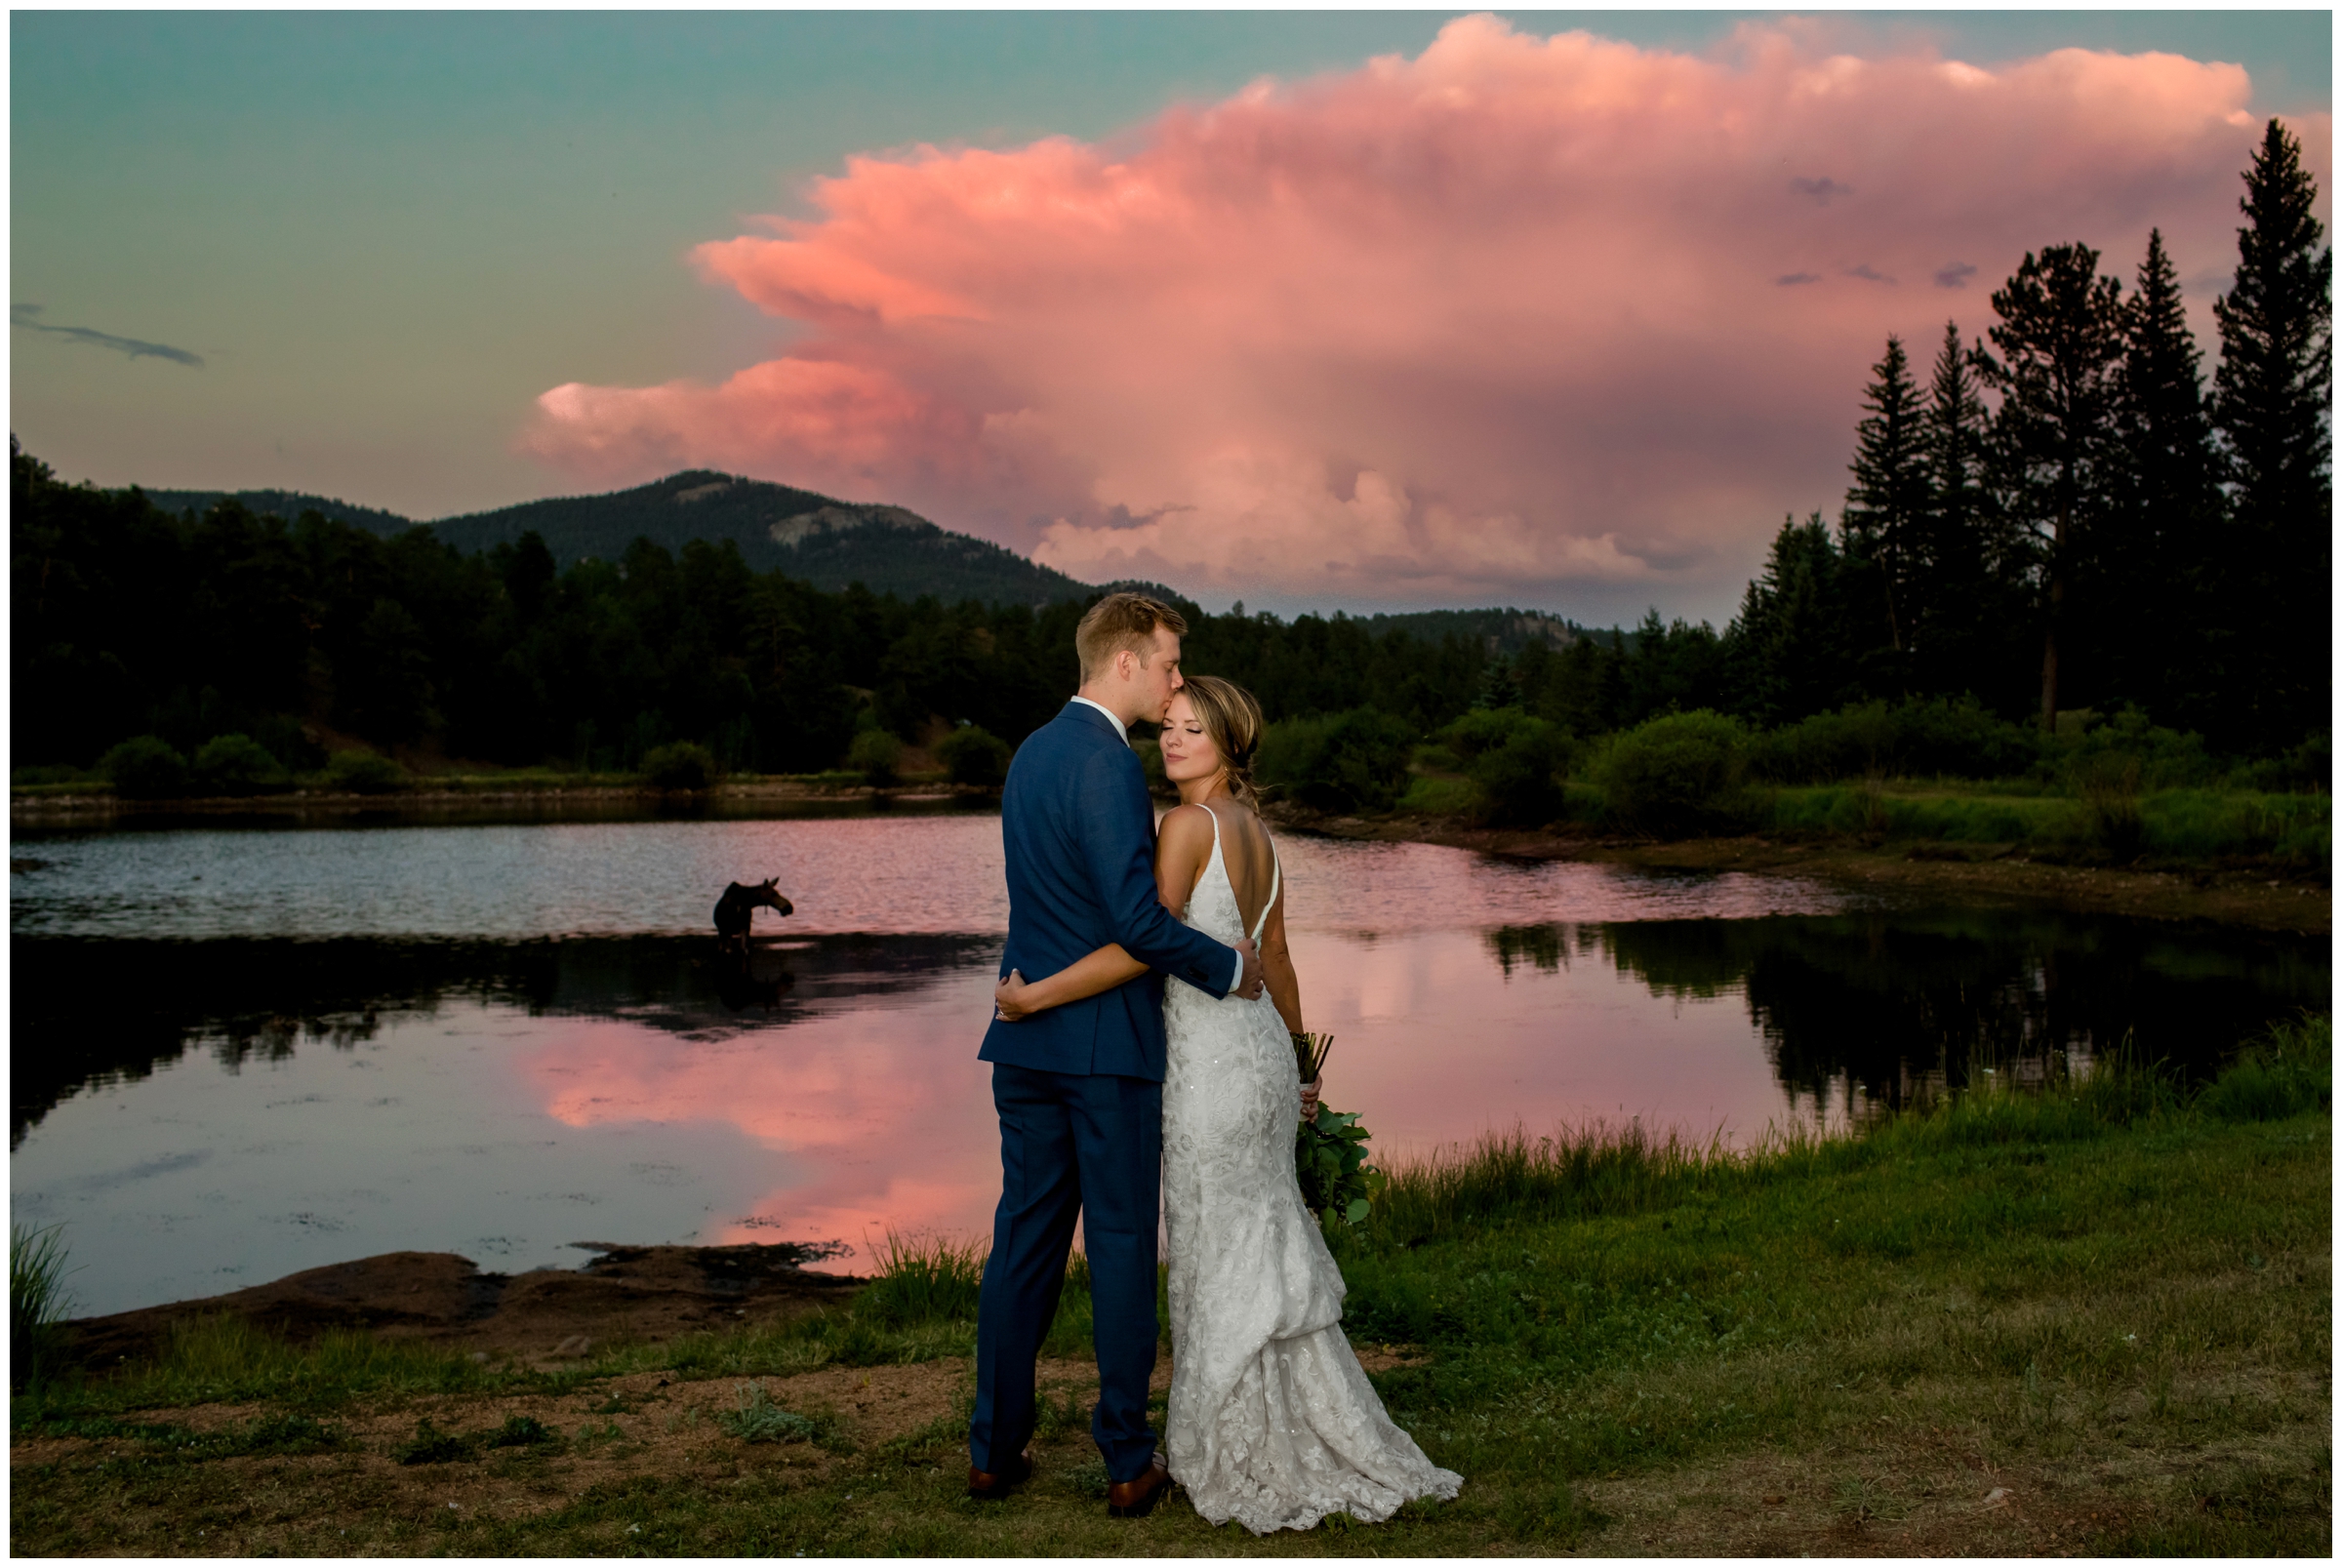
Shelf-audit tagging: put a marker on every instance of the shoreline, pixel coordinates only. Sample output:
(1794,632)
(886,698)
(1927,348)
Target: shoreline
(2263,896)
(2258,895)
(99,808)
(650,1292)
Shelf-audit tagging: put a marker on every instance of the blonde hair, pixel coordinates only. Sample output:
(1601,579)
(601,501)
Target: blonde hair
(1122,621)
(1232,719)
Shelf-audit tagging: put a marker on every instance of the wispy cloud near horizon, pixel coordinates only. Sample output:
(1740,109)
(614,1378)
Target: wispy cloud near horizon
(1503,322)
(28,316)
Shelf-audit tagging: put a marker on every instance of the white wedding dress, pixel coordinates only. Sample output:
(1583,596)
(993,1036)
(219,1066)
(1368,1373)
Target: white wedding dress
(1271,1422)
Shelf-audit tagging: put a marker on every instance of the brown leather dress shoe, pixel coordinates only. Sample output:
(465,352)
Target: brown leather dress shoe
(1136,1499)
(986,1487)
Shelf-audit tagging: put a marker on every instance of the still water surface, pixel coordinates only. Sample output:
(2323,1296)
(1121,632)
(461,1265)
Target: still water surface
(243,1053)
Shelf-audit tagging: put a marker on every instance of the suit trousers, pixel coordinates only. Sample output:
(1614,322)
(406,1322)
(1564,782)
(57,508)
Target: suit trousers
(1070,1144)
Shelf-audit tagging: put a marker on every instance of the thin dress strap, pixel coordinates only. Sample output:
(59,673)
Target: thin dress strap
(1207,865)
(1277,885)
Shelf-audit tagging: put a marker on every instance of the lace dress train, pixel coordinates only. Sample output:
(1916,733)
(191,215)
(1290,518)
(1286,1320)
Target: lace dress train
(1273,1421)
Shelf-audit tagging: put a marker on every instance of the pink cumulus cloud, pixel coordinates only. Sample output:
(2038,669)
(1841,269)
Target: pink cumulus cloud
(1536,320)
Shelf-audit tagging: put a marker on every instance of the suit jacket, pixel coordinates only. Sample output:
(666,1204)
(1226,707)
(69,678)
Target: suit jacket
(1080,832)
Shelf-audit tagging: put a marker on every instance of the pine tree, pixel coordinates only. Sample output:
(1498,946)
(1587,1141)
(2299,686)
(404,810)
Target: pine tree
(1956,632)
(2158,579)
(2056,455)
(1498,688)
(1886,509)
(2274,406)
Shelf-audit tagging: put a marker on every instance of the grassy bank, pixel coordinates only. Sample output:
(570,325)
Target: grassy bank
(2176,826)
(2102,790)
(2091,1318)
(2167,825)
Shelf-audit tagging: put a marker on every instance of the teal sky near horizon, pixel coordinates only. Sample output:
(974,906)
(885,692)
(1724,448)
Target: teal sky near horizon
(384,236)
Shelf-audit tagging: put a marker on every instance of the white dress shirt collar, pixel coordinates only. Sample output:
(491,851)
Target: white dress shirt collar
(1121,729)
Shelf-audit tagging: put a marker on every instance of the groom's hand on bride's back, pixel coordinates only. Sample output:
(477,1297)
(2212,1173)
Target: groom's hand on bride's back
(1250,983)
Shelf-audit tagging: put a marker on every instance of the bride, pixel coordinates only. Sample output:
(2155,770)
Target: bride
(1271,1422)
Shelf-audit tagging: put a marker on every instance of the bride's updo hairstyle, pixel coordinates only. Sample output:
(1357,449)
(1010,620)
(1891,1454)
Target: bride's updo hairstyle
(1232,719)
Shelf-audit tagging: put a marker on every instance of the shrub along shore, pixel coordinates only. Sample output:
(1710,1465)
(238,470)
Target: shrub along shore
(2111,791)
(2117,815)
(2116,791)
(2089,1318)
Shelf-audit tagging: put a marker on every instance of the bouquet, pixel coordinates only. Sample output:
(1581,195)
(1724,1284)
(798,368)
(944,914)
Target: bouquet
(1329,1152)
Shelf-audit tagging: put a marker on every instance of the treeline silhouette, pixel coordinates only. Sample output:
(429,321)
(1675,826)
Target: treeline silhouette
(129,621)
(2105,533)
(2065,517)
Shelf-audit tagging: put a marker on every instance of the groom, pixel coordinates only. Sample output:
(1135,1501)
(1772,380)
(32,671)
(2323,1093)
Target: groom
(1079,1088)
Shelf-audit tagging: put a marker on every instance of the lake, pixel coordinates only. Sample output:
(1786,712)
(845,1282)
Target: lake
(240,1051)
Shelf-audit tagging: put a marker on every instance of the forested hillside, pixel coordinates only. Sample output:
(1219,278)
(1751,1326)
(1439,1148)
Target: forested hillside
(821,540)
(131,620)
(283,504)
(826,542)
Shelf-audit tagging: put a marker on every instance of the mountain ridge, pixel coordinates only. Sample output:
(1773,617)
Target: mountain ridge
(818,538)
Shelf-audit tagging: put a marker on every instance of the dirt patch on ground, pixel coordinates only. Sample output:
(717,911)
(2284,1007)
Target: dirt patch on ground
(1911,1486)
(2269,897)
(620,1429)
(630,1292)
(1922,1493)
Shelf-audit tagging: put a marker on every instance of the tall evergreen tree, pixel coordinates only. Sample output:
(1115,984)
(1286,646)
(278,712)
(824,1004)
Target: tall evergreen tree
(1887,511)
(2159,630)
(2056,454)
(1957,631)
(2274,407)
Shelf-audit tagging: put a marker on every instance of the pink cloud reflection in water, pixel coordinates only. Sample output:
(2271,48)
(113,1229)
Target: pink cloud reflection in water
(884,1104)
(879,1115)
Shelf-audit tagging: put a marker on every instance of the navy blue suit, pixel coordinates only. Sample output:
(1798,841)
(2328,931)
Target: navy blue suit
(1079,1088)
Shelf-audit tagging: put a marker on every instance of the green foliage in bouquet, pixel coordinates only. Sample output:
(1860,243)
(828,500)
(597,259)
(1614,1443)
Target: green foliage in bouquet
(1329,1153)
(1329,1157)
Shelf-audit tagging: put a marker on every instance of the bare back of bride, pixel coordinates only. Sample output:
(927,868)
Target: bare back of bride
(1273,1421)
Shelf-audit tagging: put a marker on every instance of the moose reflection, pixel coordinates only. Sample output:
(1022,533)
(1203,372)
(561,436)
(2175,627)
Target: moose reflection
(1884,1007)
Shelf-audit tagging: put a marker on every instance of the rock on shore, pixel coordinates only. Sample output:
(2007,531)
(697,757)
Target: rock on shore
(633,1293)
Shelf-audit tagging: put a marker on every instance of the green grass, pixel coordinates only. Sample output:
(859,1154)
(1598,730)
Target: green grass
(2086,817)
(754,1419)
(2203,824)
(1901,812)
(2175,825)
(2108,1295)
(1432,794)
(38,1303)
(2289,1073)
(925,1280)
